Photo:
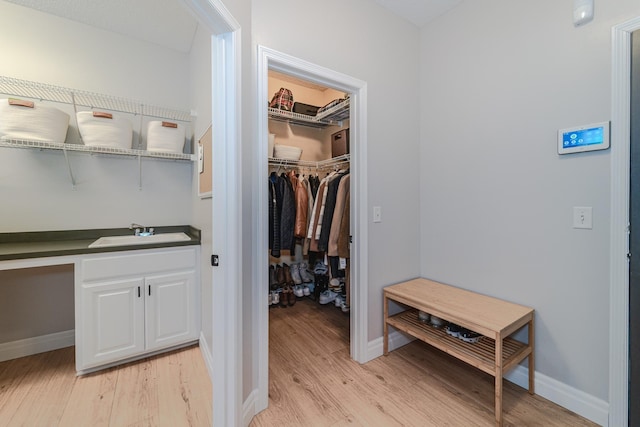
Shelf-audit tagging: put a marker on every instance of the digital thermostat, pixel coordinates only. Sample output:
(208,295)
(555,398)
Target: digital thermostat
(584,138)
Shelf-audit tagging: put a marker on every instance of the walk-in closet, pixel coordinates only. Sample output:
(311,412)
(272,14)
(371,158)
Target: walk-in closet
(309,207)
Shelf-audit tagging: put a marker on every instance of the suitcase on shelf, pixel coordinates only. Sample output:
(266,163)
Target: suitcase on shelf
(306,109)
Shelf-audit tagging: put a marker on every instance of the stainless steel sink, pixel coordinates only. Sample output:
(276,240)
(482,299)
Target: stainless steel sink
(139,240)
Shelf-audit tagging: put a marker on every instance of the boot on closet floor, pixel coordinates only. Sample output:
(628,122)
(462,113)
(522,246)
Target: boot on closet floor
(279,272)
(295,274)
(303,269)
(273,283)
(288,280)
(292,297)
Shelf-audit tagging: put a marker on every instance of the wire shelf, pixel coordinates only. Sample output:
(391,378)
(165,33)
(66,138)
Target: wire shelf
(48,145)
(42,91)
(332,163)
(331,117)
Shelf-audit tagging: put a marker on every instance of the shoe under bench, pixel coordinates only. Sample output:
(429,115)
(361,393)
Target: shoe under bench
(497,320)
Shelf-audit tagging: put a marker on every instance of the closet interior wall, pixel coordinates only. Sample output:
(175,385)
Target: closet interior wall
(315,161)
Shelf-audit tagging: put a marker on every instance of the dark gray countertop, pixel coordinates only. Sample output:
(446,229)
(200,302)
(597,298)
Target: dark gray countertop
(38,244)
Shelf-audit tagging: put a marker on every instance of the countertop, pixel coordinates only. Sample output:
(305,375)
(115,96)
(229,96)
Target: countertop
(38,244)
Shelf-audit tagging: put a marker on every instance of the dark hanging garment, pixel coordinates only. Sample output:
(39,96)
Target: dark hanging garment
(275,211)
(329,207)
(288,214)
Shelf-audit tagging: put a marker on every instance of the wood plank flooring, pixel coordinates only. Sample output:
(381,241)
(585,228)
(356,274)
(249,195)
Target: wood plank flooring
(172,389)
(313,382)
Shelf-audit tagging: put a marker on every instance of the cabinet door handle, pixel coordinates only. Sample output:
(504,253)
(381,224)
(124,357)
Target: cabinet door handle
(138,291)
(149,290)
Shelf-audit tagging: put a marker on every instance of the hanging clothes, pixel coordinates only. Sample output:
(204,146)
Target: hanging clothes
(302,206)
(288,215)
(275,211)
(336,222)
(329,207)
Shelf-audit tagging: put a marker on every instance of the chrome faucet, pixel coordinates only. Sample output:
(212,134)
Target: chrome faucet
(138,227)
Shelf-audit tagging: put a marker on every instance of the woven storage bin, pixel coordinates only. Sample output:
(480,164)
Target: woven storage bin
(165,137)
(27,120)
(287,152)
(100,129)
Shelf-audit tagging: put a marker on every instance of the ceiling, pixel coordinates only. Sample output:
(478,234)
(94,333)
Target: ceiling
(168,23)
(419,12)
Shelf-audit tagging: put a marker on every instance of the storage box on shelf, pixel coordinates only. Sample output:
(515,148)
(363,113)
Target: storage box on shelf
(78,98)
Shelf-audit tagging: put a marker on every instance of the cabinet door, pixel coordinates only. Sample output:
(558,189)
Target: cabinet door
(113,320)
(170,309)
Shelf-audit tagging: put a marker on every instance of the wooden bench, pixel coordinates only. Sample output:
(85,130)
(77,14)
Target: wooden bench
(495,354)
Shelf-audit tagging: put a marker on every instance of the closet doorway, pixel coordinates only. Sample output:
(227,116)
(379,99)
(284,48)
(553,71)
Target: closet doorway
(288,67)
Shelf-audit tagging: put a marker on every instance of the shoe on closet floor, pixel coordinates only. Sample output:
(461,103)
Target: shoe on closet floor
(288,280)
(284,297)
(327,296)
(453,330)
(338,301)
(345,307)
(320,268)
(295,274)
(297,291)
(291,297)
(273,283)
(306,291)
(275,298)
(279,275)
(304,273)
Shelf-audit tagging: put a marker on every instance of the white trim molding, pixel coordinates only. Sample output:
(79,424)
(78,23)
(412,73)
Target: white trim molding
(225,363)
(619,239)
(269,59)
(35,345)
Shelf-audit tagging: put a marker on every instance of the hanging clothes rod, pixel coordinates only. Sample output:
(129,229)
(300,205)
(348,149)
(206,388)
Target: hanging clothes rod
(307,164)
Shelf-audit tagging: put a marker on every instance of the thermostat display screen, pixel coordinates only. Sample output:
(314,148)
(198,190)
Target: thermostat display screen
(586,138)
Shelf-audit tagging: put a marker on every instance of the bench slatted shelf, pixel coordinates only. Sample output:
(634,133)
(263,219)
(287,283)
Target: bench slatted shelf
(495,354)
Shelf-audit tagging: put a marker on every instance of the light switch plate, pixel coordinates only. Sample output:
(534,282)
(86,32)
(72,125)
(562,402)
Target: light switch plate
(377,214)
(582,217)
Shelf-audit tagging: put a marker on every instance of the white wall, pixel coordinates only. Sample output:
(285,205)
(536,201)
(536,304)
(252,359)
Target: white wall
(44,48)
(200,95)
(363,40)
(35,186)
(498,78)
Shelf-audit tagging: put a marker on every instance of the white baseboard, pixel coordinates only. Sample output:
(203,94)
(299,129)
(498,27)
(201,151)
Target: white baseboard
(586,405)
(583,404)
(249,408)
(206,354)
(35,345)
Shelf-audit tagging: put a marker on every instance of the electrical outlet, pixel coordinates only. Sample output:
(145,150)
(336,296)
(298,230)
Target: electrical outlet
(582,217)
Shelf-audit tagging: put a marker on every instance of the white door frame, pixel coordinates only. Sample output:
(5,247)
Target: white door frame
(269,59)
(226,368)
(619,264)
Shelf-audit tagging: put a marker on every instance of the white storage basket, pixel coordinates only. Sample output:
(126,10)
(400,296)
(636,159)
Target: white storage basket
(99,129)
(167,137)
(27,120)
(287,152)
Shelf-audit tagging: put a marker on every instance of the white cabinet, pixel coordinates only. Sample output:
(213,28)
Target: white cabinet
(134,303)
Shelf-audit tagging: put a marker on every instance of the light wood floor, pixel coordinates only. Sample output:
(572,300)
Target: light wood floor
(170,390)
(314,383)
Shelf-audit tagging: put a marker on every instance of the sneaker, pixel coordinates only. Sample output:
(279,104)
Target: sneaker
(304,272)
(345,307)
(275,298)
(270,299)
(327,296)
(297,291)
(469,336)
(334,284)
(295,274)
(453,330)
(320,268)
(338,301)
